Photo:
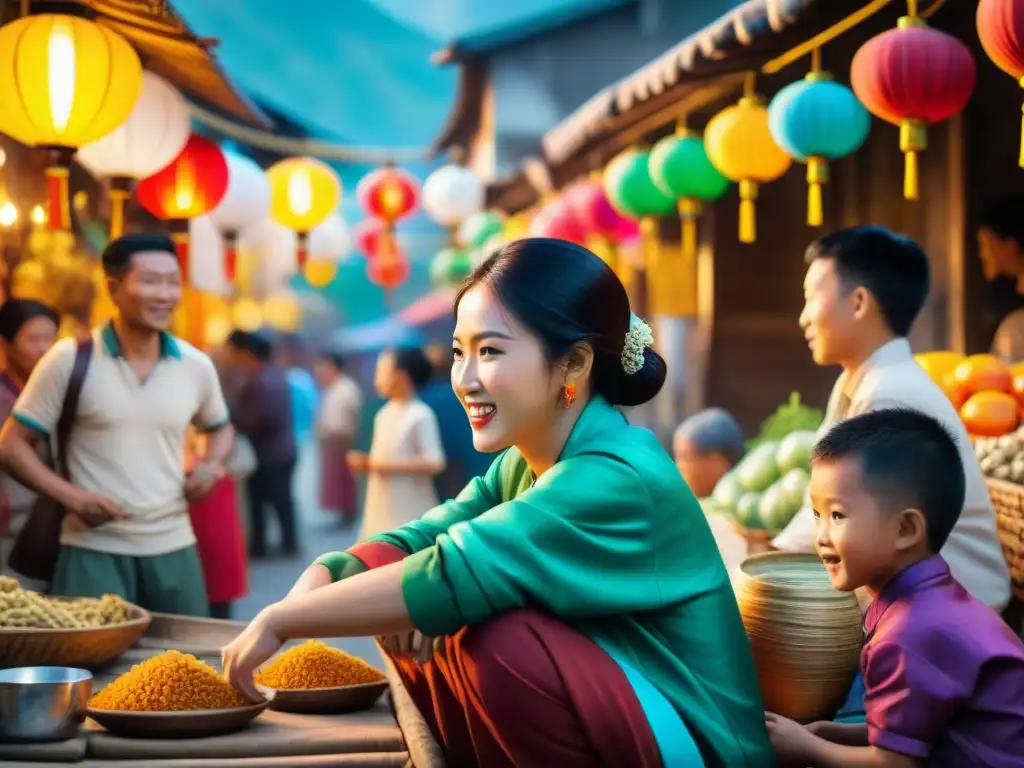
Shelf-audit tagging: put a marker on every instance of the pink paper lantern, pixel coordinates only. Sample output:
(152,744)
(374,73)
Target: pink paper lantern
(594,211)
(367,235)
(558,220)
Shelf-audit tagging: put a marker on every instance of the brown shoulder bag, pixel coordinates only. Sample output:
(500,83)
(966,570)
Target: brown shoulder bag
(35,550)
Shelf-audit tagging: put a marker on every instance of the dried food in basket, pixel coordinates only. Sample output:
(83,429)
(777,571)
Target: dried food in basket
(1002,458)
(315,664)
(170,682)
(24,609)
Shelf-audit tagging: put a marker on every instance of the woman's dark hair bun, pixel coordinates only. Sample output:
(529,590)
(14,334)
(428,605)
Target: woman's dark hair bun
(637,388)
(566,295)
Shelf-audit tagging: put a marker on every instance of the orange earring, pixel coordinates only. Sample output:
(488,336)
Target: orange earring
(569,393)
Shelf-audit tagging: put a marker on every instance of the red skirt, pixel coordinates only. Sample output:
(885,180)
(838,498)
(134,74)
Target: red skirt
(221,543)
(337,483)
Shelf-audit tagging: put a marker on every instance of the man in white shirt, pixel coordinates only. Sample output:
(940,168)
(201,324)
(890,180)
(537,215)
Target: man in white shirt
(863,290)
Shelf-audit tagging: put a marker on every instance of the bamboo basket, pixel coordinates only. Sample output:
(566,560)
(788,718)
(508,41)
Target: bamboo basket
(87,648)
(805,636)
(1008,503)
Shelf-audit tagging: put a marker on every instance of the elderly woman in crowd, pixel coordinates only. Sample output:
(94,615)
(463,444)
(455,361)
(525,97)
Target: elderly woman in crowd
(706,446)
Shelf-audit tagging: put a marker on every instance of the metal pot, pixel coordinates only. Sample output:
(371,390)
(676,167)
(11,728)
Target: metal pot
(43,703)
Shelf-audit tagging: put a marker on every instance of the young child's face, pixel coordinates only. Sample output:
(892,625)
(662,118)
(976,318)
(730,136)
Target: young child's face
(853,536)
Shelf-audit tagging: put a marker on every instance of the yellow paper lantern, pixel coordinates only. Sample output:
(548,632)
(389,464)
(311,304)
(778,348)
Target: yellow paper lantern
(740,145)
(303,192)
(246,314)
(65,81)
(320,273)
(282,311)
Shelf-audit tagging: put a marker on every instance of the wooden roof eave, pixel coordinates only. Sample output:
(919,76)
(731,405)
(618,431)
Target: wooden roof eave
(466,116)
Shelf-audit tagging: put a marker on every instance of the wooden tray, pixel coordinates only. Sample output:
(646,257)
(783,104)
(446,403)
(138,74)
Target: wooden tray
(329,701)
(177,725)
(89,647)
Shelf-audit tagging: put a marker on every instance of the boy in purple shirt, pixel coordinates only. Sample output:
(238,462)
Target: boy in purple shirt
(943,675)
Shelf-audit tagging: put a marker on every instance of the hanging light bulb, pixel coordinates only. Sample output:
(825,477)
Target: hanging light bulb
(38,215)
(8,215)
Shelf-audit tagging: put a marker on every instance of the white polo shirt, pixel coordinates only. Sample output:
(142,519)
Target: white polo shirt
(127,441)
(891,378)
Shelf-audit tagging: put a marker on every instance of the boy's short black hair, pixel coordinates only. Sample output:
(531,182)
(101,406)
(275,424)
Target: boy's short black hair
(414,361)
(892,267)
(907,460)
(1005,218)
(256,345)
(334,358)
(117,256)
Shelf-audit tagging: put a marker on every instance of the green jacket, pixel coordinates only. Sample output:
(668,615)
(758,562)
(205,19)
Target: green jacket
(612,541)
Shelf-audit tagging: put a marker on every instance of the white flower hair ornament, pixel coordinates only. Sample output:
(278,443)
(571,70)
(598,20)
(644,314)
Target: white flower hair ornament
(638,338)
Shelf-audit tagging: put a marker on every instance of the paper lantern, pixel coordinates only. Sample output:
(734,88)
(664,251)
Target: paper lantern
(595,212)
(320,273)
(388,274)
(740,145)
(330,240)
(558,220)
(303,192)
(451,194)
(630,189)
(64,82)
(680,168)
(388,194)
(191,185)
(266,257)
(479,228)
(1001,30)
(153,135)
(206,248)
(816,120)
(913,76)
(367,237)
(450,267)
(246,202)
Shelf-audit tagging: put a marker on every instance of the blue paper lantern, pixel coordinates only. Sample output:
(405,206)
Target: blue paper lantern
(816,120)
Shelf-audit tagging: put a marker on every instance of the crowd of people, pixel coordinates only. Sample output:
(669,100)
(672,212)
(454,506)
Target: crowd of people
(570,605)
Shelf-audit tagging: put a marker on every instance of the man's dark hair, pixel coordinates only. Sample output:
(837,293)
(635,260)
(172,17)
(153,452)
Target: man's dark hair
(1005,218)
(334,358)
(117,256)
(413,360)
(893,268)
(253,343)
(907,461)
(14,313)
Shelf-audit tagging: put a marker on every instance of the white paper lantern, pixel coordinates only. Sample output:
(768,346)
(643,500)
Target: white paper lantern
(206,257)
(247,199)
(330,240)
(153,135)
(268,248)
(451,193)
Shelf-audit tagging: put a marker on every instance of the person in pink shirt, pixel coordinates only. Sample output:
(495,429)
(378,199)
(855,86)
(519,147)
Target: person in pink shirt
(943,673)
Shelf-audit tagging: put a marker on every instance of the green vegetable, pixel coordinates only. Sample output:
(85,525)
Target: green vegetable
(788,417)
(776,508)
(727,492)
(757,470)
(795,450)
(747,511)
(794,484)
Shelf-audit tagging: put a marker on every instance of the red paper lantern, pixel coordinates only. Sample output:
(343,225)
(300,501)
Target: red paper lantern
(1001,30)
(591,206)
(390,273)
(191,186)
(558,220)
(388,194)
(913,76)
(367,235)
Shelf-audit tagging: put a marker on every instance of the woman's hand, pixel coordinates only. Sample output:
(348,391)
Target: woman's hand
(791,741)
(411,644)
(314,577)
(257,643)
(358,461)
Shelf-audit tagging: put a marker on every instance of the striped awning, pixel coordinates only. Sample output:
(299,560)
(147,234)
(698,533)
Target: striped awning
(745,37)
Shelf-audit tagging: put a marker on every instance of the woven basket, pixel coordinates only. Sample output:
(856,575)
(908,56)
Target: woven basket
(1008,502)
(87,648)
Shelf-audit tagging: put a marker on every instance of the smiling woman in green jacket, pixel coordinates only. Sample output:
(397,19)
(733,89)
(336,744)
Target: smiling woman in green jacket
(580,610)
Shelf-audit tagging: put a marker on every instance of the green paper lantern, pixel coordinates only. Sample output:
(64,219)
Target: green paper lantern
(680,168)
(479,228)
(630,189)
(450,267)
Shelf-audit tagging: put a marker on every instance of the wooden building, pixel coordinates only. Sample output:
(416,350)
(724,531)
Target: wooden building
(750,296)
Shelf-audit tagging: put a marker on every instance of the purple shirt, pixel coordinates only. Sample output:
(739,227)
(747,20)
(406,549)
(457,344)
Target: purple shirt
(264,415)
(943,674)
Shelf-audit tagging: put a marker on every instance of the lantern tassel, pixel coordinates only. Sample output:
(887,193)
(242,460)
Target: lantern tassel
(230,255)
(302,251)
(817,176)
(913,140)
(57,197)
(649,235)
(181,247)
(118,199)
(911,187)
(748,212)
(689,210)
(1021,161)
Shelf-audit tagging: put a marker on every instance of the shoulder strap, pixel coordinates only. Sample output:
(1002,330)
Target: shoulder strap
(83,354)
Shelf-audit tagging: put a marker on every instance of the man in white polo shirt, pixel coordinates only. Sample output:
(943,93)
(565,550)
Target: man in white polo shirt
(127,528)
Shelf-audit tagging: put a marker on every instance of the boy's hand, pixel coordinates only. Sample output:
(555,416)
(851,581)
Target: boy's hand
(790,740)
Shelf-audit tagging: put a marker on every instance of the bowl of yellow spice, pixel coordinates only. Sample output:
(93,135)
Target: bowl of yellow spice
(314,678)
(173,696)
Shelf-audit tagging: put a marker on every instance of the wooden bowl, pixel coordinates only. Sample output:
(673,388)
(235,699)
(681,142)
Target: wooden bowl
(177,725)
(88,648)
(329,701)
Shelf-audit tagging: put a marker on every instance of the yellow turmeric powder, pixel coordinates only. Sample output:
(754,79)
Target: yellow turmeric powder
(315,664)
(170,682)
